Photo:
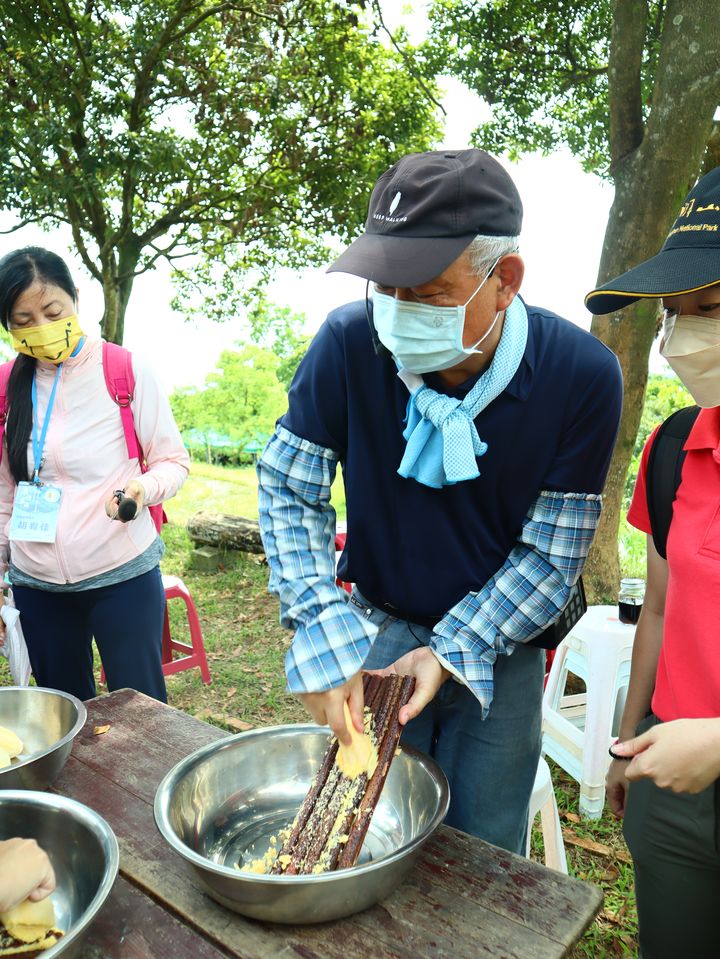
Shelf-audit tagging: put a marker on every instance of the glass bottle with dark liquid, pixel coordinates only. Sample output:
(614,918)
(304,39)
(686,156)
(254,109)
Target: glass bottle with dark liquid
(630,600)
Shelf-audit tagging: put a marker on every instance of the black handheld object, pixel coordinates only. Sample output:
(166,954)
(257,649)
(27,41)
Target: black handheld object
(615,756)
(127,506)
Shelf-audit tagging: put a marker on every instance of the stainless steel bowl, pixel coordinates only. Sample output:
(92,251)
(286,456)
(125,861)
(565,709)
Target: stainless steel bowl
(47,721)
(218,808)
(82,848)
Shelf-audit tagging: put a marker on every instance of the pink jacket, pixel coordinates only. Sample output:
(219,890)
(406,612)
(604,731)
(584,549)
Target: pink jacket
(86,456)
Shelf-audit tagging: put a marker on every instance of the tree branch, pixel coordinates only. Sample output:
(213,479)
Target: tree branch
(627,42)
(18,227)
(410,66)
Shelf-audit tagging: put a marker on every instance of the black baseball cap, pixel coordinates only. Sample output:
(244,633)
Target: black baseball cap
(688,261)
(425,210)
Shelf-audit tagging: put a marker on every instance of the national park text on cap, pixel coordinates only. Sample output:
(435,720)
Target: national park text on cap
(688,261)
(425,210)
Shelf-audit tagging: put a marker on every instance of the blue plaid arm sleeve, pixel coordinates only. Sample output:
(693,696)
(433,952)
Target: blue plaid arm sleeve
(527,594)
(297,525)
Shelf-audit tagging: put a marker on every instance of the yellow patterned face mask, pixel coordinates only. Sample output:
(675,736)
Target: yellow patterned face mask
(52,342)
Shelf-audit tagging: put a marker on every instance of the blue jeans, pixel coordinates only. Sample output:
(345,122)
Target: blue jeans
(490,764)
(126,620)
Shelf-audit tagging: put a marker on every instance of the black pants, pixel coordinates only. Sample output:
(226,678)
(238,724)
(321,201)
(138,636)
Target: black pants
(126,620)
(674,841)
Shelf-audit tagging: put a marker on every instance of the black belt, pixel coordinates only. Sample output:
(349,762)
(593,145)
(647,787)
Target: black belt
(428,621)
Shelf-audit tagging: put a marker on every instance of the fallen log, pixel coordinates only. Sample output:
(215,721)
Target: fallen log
(226,531)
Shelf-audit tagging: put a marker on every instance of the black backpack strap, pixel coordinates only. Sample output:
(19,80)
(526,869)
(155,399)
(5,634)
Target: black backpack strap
(664,470)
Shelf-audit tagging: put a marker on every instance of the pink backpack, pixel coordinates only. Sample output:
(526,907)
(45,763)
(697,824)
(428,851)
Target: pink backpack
(120,380)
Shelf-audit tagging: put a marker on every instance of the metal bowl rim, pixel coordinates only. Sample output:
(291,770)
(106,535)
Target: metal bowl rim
(68,737)
(160,811)
(101,828)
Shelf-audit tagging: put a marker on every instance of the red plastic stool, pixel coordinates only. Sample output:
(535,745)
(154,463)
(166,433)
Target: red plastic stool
(339,547)
(195,652)
(194,656)
(549,657)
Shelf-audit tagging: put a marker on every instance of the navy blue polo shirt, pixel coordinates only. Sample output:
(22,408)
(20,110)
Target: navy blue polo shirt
(421,549)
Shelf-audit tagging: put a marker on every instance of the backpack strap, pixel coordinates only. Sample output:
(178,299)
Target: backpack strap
(5,371)
(120,380)
(664,471)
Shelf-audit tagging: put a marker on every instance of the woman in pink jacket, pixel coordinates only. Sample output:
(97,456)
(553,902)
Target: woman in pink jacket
(77,570)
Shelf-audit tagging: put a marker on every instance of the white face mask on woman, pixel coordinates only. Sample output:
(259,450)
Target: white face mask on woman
(691,345)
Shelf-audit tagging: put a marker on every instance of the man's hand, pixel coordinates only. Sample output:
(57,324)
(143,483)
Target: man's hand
(327,708)
(25,872)
(133,490)
(429,675)
(683,755)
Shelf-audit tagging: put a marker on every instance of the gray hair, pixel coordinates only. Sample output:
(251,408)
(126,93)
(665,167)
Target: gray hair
(486,250)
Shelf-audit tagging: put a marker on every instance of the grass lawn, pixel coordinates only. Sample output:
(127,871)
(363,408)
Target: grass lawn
(246,648)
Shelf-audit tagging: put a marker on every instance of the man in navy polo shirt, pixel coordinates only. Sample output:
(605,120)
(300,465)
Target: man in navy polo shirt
(474,434)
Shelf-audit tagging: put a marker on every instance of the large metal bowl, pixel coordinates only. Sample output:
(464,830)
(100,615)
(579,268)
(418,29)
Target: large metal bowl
(47,721)
(218,808)
(82,848)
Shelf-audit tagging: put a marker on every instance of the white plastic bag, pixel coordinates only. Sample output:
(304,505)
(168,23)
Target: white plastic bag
(13,647)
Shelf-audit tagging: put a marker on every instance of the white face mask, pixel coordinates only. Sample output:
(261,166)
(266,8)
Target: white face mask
(691,345)
(425,338)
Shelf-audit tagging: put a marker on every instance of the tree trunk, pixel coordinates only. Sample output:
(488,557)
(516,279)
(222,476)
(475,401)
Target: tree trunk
(117,279)
(650,184)
(222,529)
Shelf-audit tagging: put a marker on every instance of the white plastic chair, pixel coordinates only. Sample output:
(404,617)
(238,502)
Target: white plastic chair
(578,729)
(543,801)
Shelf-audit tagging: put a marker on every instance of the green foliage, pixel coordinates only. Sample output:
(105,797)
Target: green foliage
(248,392)
(242,399)
(280,330)
(543,67)
(160,129)
(663,396)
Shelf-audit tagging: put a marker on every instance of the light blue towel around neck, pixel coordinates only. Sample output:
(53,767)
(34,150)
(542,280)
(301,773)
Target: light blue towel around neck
(442,440)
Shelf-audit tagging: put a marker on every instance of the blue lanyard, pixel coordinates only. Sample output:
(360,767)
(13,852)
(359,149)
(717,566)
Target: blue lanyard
(39,444)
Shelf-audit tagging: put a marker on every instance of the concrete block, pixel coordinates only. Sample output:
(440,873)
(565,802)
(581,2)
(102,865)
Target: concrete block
(206,559)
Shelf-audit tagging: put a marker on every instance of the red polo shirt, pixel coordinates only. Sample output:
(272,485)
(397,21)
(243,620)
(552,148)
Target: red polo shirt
(688,675)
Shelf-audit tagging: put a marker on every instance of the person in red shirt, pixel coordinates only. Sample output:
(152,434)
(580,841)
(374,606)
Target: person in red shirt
(669,792)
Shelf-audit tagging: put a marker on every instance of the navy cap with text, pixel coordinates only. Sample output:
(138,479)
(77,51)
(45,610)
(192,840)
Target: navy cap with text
(425,210)
(688,261)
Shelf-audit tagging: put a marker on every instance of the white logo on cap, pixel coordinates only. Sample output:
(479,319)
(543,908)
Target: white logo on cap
(395,202)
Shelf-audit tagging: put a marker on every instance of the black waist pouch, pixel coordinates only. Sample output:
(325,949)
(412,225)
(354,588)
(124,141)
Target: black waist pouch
(553,635)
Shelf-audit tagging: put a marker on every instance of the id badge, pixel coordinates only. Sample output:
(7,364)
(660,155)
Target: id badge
(35,513)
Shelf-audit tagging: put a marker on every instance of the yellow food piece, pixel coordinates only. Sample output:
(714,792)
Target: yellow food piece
(30,921)
(360,756)
(10,742)
(5,759)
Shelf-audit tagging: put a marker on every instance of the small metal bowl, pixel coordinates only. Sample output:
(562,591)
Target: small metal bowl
(219,807)
(47,721)
(83,851)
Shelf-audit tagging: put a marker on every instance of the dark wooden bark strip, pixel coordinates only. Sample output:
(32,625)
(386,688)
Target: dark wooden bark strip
(325,839)
(385,706)
(359,829)
(310,828)
(333,854)
(308,805)
(314,823)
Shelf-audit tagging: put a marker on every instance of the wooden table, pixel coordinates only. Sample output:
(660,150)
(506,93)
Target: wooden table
(464,898)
